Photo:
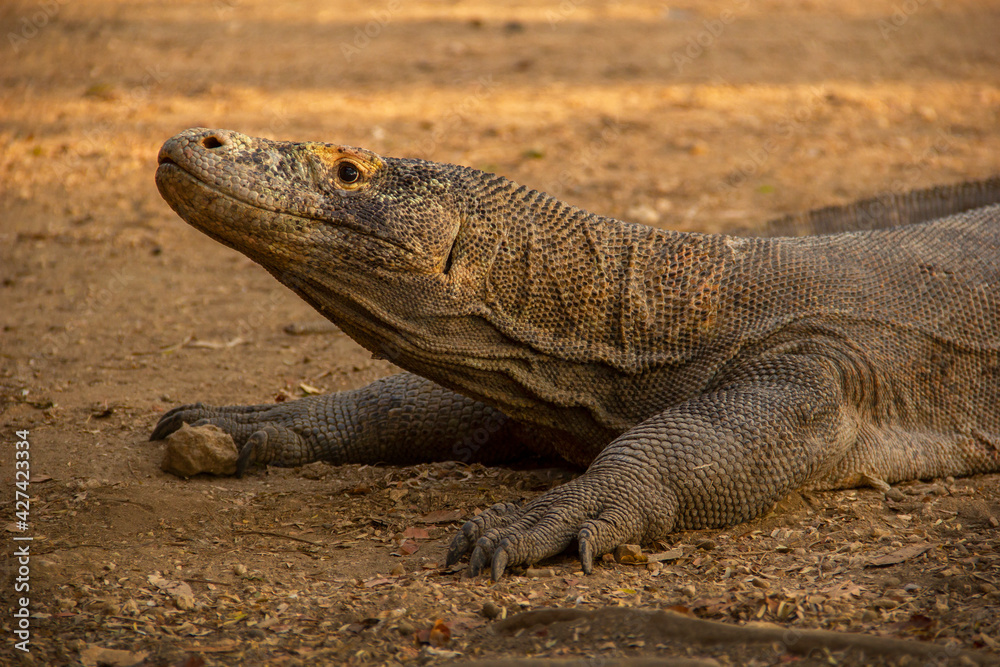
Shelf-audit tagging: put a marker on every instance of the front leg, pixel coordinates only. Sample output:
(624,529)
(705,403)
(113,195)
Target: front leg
(715,460)
(400,419)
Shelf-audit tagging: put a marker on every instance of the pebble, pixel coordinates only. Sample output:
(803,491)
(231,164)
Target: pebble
(203,449)
(239,569)
(630,554)
(491,610)
(643,213)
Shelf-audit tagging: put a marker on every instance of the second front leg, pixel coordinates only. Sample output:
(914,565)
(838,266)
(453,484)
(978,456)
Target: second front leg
(400,419)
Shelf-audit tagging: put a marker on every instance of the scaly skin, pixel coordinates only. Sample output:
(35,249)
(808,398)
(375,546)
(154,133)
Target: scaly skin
(700,377)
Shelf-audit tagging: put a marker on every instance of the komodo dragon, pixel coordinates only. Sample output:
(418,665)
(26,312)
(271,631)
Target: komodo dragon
(701,377)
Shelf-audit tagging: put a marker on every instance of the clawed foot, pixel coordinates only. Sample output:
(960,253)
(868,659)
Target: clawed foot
(262,433)
(599,511)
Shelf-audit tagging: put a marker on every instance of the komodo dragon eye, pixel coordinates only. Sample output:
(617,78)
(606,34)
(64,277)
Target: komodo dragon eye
(348,173)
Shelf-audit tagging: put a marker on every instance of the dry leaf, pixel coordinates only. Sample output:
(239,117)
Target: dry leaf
(440,634)
(441,516)
(900,555)
(416,533)
(673,554)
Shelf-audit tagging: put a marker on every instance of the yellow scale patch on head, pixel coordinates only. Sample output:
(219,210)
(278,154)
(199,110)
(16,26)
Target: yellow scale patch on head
(366,162)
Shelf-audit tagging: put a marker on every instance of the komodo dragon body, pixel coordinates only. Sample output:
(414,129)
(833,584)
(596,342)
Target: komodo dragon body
(700,377)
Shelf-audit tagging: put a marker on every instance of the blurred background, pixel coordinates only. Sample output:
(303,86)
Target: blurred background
(689,115)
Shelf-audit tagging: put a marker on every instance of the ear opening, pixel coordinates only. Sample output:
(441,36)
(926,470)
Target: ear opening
(451,256)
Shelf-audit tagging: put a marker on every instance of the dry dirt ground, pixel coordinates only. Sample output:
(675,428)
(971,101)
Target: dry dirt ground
(695,116)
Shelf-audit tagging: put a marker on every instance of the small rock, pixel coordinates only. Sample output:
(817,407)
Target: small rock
(643,213)
(192,450)
(398,570)
(106,606)
(130,608)
(995,522)
(240,570)
(707,545)
(885,603)
(45,566)
(184,602)
(941,604)
(759,583)
(782,549)
(94,655)
(630,554)
(911,587)
(869,616)
(405,628)
(689,590)
(540,572)
(491,610)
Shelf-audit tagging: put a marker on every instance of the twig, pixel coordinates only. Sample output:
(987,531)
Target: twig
(285,537)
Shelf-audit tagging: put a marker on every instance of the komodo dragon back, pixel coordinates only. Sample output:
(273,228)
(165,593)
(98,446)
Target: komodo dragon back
(698,377)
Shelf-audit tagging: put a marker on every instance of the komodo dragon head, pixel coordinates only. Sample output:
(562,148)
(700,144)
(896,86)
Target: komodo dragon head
(371,242)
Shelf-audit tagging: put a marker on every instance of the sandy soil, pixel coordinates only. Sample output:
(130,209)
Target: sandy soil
(697,116)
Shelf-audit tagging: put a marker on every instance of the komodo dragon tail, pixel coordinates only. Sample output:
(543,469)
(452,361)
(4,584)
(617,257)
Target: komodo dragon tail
(885,210)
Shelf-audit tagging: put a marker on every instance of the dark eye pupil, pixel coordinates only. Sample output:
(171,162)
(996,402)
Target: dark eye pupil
(348,173)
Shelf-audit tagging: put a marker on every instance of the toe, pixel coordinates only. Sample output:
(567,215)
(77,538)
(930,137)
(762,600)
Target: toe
(175,418)
(273,444)
(497,516)
(499,564)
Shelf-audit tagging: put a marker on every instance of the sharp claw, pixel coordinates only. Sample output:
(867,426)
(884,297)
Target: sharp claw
(499,564)
(459,547)
(171,420)
(164,427)
(246,454)
(586,555)
(477,560)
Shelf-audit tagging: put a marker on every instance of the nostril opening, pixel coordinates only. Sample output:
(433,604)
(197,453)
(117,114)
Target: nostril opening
(211,141)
